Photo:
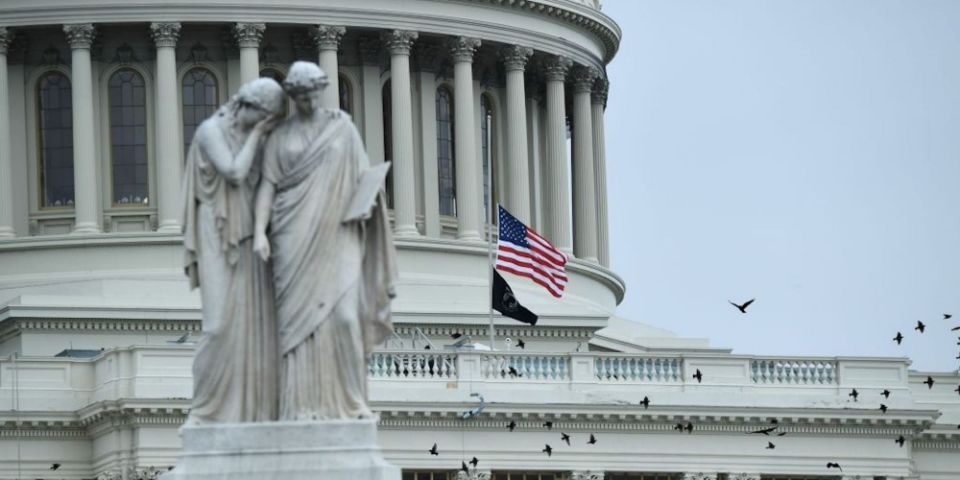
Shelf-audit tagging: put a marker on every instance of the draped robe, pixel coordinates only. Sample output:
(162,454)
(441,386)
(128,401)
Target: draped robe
(333,281)
(236,357)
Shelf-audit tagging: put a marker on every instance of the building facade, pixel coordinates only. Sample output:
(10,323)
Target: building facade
(475,102)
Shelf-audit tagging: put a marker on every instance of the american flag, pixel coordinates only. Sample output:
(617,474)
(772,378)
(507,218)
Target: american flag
(524,252)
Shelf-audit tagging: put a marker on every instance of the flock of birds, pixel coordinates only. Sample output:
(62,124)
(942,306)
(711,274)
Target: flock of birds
(689,427)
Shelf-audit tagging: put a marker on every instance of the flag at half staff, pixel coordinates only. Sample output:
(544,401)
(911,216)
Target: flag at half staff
(504,301)
(522,251)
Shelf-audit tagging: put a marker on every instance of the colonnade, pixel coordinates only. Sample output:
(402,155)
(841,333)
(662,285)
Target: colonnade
(587,239)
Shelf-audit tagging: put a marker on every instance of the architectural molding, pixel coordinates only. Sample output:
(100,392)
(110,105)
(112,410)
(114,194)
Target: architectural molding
(6,39)
(248,35)
(600,90)
(165,34)
(80,35)
(582,78)
(327,37)
(462,49)
(399,42)
(515,57)
(555,68)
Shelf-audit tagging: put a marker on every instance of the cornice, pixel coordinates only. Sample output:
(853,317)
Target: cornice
(589,20)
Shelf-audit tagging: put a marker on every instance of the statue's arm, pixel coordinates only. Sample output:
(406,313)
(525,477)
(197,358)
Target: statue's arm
(261,215)
(233,168)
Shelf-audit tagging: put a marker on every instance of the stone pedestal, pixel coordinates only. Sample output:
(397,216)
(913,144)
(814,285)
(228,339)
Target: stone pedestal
(331,450)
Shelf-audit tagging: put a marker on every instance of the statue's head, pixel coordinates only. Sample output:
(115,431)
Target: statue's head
(304,83)
(257,100)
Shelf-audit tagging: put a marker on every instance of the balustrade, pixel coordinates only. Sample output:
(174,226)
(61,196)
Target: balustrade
(413,365)
(525,367)
(794,372)
(638,369)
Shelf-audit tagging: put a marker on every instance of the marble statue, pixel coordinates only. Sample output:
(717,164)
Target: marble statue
(234,369)
(333,280)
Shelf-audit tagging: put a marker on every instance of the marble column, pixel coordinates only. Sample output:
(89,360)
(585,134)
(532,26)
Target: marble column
(248,36)
(469,200)
(535,151)
(80,37)
(743,476)
(518,168)
(584,178)
(599,98)
(399,42)
(327,38)
(168,152)
(699,476)
(556,203)
(6,153)
(426,56)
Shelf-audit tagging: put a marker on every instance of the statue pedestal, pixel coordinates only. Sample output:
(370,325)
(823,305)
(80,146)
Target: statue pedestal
(331,450)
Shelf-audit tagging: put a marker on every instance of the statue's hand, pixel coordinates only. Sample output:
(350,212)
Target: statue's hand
(268,124)
(261,246)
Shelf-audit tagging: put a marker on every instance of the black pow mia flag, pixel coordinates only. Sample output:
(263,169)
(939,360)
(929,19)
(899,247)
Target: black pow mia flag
(506,303)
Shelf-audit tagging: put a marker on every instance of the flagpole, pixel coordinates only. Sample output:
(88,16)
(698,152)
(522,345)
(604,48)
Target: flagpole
(490,237)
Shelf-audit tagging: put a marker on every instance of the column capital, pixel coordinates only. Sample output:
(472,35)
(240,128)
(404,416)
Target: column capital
(248,34)
(463,48)
(582,78)
(699,476)
(327,37)
(556,67)
(600,89)
(743,476)
(515,57)
(586,475)
(6,38)
(165,34)
(80,35)
(399,42)
(474,475)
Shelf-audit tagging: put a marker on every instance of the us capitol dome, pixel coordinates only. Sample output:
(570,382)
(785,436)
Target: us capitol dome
(475,103)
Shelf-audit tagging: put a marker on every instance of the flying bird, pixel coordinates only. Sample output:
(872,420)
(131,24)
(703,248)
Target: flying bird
(681,427)
(929,382)
(549,425)
(954,329)
(698,376)
(885,393)
(474,462)
(781,434)
(463,466)
(898,338)
(742,308)
(770,446)
(548,449)
(456,335)
(565,438)
(947,316)
(834,465)
(883,408)
(512,425)
(645,402)
(592,441)
(433,450)
(900,440)
(765,431)
(513,372)
(54,466)
(854,394)
(920,326)
(521,344)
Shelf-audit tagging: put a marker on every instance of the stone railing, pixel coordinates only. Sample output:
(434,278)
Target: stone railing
(58,384)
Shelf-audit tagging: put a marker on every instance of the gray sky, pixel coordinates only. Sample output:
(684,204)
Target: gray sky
(803,152)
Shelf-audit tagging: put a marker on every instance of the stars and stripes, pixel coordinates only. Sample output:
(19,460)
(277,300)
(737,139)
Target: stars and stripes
(522,251)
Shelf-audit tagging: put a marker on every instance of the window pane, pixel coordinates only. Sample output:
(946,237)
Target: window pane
(56,140)
(199,101)
(445,148)
(128,139)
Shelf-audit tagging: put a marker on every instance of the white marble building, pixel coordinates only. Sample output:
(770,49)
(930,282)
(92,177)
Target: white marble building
(98,99)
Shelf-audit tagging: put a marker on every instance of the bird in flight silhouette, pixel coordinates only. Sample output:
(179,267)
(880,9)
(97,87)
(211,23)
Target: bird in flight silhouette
(433,450)
(900,440)
(854,394)
(463,467)
(474,462)
(512,425)
(548,449)
(54,466)
(698,376)
(549,425)
(521,344)
(565,438)
(885,393)
(883,408)
(645,402)
(765,431)
(592,441)
(681,427)
(834,465)
(920,326)
(947,316)
(770,446)
(898,338)
(743,308)
(929,382)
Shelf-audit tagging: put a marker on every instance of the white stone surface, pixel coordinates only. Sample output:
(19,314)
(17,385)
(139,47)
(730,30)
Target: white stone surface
(330,450)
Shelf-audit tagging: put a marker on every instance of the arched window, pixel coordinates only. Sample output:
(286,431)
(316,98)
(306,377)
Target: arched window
(486,151)
(447,175)
(278,76)
(55,115)
(388,138)
(199,96)
(346,95)
(128,137)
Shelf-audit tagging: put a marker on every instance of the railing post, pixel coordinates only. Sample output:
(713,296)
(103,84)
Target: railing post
(582,368)
(468,366)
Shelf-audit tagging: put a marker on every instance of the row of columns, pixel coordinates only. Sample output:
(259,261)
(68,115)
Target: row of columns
(587,239)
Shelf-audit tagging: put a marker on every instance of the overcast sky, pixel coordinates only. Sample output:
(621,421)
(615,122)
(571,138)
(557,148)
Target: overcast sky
(803,152)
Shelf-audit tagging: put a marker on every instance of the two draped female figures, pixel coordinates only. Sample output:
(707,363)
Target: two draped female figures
(294,297)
